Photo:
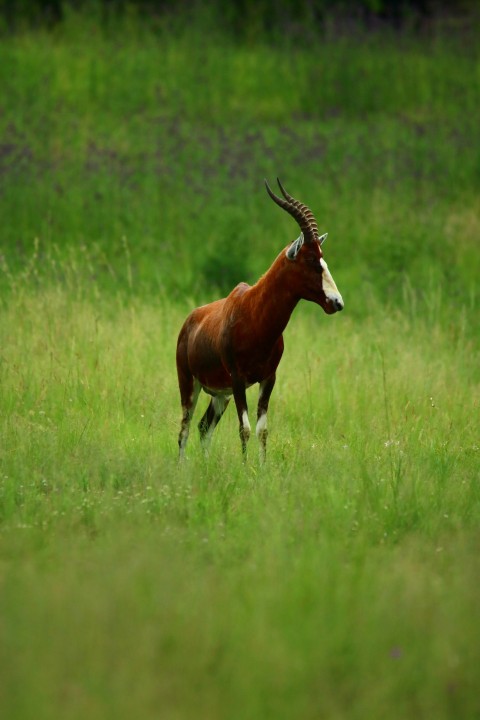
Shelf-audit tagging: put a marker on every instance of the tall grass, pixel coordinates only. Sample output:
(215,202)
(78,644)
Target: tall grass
(339,580)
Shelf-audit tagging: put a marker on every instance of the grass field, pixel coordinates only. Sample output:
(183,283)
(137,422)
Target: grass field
(340,580)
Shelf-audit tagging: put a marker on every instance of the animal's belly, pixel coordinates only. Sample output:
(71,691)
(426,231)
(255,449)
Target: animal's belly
(227,392)
(252,365)
(214,379)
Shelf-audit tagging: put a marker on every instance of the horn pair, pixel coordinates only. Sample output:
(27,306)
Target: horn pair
(302,214)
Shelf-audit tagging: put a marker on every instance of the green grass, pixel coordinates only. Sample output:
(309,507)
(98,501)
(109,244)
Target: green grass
(340,580)
(164,139)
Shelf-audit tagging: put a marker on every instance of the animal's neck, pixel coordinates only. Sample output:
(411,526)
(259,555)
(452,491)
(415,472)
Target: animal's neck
(274,300)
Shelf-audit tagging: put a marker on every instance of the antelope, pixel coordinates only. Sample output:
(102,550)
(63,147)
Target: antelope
(230,344)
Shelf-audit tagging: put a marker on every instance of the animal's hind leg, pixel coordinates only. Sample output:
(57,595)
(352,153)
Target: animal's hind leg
(211,419)
(266,388)
(189,394)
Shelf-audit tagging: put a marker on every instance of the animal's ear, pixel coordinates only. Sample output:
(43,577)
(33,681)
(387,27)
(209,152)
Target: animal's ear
(294,248)
(322,238)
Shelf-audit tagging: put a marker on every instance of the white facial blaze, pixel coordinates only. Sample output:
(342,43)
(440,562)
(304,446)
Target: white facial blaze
(328,283)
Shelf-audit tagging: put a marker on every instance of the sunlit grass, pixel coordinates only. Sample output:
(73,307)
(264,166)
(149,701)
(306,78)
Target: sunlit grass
(338,579)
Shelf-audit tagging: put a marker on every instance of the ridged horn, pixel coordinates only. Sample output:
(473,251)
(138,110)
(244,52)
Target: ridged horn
(304,208)
(298,211)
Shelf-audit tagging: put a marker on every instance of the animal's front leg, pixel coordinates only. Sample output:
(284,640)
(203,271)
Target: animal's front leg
(240,397)
(266,388)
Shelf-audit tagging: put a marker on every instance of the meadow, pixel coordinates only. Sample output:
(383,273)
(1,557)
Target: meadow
(340,579)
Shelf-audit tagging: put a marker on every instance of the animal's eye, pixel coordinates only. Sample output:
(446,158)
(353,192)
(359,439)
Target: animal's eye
(315,263)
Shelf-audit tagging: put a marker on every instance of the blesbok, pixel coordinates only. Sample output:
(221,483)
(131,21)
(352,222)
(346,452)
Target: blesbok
(230,344)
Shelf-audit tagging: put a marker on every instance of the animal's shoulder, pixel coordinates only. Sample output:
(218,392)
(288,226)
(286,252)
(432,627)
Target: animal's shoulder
(239,290)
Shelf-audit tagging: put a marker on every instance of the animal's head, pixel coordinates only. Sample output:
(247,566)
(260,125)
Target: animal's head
(309,270)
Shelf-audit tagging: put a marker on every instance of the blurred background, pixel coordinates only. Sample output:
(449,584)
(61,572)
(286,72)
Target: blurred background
(341,579)
(135,137)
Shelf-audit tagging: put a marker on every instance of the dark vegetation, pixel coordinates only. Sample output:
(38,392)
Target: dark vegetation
(244,17)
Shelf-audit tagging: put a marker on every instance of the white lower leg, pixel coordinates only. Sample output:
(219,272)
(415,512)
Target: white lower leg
(262,434)
(246,426)
(244,432)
